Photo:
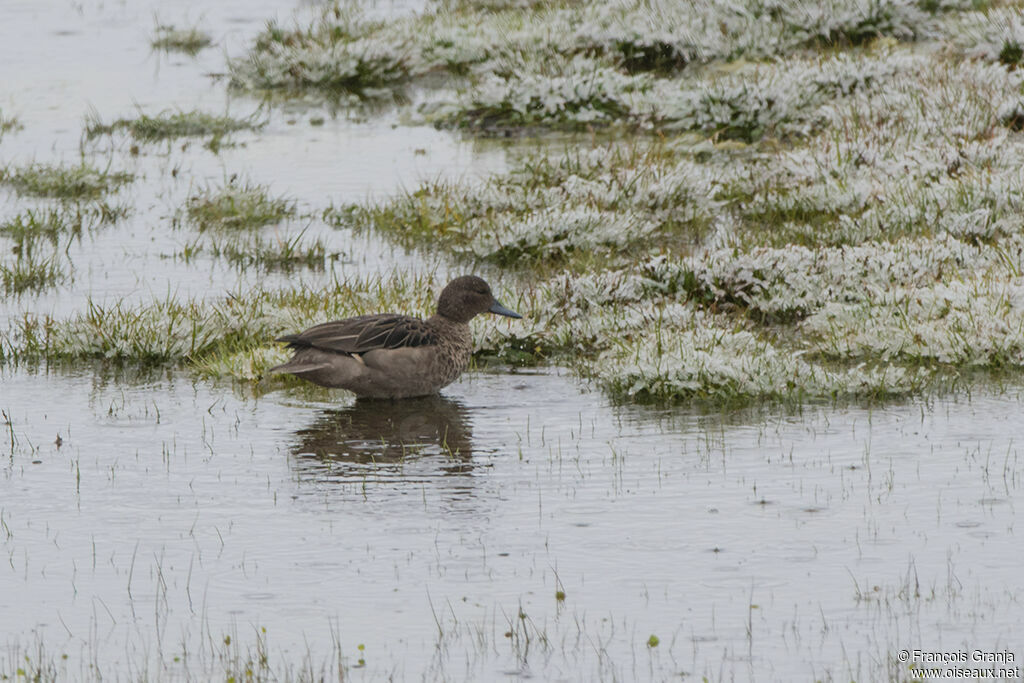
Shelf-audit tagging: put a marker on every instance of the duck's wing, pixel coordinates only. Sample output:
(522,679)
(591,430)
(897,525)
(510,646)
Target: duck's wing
(364,333)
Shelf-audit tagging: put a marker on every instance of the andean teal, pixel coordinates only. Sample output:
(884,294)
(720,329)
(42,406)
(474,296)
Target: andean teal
(395,356)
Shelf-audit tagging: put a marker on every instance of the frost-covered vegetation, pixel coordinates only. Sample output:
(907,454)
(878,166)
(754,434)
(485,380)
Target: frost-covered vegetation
(736,70)
(344,50)
(813,224)
(774,200)
(609,201)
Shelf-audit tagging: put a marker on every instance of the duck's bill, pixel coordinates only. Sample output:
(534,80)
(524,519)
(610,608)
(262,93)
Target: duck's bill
(501,310)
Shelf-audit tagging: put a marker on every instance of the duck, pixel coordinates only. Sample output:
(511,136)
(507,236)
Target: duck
(393,356)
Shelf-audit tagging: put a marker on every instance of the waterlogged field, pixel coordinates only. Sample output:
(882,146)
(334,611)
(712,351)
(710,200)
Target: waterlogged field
(759,421)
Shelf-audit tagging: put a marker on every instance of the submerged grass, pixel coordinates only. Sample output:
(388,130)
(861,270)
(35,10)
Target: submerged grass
(64,182)
(187,40)
(171,125)
(32,226)
(30,272)
(278,253)
(8,124)
(230,656)
(236,207)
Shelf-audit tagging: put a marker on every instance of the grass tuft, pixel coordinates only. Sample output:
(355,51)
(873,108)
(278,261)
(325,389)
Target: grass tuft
(855,24)
(237,207)
(334,55)
(1012,53)
(578,94)
(64,182)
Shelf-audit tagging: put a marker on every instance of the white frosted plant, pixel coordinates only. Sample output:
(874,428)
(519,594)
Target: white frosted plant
(784,97)
(937,101)
(649,347)
(467,39)
(857,196)
(578,92)
(579,64)
(653,35)
(793,282)
(860,21)
(919,152)
(606,200)
(995,35)
(340,51)
(699,358)
(780,97)
(974,321)
(351,66)
(556,231)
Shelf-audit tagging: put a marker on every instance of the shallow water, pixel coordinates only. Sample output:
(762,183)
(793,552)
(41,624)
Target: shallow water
(772,547)
(144,518)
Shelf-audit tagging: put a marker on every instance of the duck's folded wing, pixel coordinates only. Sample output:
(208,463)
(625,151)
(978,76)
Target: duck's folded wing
(364,333)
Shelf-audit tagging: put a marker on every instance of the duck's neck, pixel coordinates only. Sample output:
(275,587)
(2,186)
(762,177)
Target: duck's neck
(443,322)
(453,330)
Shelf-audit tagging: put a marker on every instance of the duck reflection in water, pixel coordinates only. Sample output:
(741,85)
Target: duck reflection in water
(412,439)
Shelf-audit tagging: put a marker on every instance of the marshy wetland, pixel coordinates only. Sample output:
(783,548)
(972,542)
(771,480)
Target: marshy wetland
(760,420)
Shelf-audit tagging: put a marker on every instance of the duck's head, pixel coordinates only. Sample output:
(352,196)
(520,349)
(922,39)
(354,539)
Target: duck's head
(465,297)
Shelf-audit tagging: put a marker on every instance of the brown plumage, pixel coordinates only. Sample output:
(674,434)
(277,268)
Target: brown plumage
(394,356)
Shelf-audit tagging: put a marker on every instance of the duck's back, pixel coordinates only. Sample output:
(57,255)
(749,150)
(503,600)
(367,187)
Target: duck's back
(364,333)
